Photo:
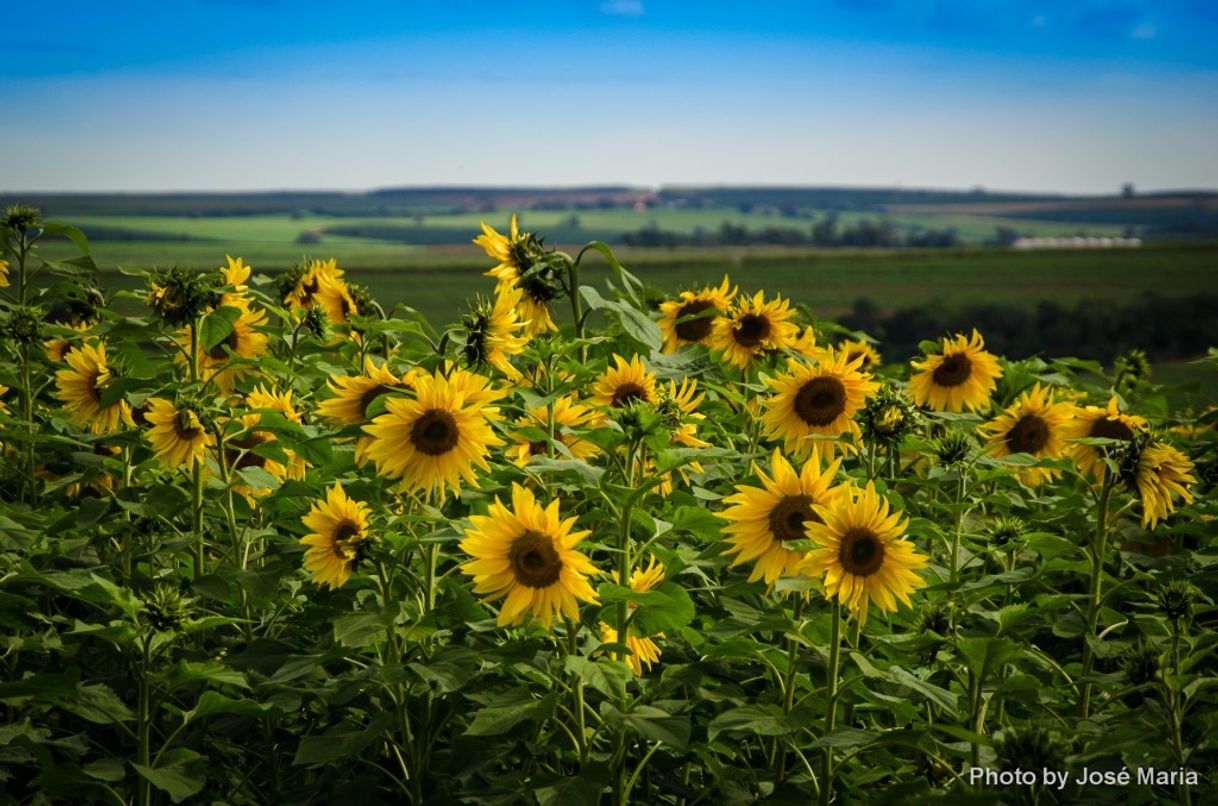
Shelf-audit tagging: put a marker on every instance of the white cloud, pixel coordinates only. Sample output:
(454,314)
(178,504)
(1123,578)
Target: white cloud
(623,8)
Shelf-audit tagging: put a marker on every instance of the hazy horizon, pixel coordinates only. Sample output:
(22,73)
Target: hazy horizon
(258,95)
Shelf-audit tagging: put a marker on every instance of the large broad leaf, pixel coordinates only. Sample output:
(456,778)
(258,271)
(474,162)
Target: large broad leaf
(899,676)
(986,655)
(213,702)
(758,719)
(640,328)
(217,326)
(181,773)
(342,741)
(666,607)
(606,676)
(449,669)
(493,720)
(653,724)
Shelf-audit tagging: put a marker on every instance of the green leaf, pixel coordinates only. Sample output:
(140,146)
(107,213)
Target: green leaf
(342,741)
(180,774)
(217,326)
(986,655)
(449,669)
(846,737)
(493,720)
(585,787)
(665,608)
(640,328)
(213,702)
(606,676)
(654,724)
(759,719)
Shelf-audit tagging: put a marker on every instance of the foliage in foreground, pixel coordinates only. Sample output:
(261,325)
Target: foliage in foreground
(269,543)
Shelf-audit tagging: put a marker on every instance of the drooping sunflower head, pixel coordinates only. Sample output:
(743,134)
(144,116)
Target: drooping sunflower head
(260,397)
(1176,599)
(765,523)
(1006,530)
(819,399)
(526,555)
(495,331)
(567,415)
(1140,663)
(435,440)
(355,394)
(1034,424)
(338,531)
(177,434)
(862,555)
(517,252)
(858,349)
(962,376)
(82,385)
(179,295)
(320,284)
(1131,367)
(1158,473)
(644,651)
(624,384)
(1096,422)
(753,327)
(23,326)
(690,318)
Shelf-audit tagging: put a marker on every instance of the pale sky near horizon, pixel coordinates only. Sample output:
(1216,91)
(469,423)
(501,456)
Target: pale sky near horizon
(264,94)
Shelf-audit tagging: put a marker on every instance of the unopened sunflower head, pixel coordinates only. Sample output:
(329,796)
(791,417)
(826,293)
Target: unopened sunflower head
(22,218)
(888,416)
(1131,367)
(954,448)
(1140,663)
(1029,747)
(179,295)
(165,607)
(23,325)
(935,617)
(1006,530)
(315,322)
(1176,599)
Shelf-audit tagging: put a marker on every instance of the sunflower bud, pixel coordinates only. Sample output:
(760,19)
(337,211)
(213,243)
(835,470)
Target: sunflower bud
(1175,600)
(888,416)
(1140,664)
(22,218)
(935,617)
(477,324)
(180,295)
(1131,367)
(1003,531)
(22,326)
(1028,748)
(954,448)
(361,295)
(286,282)
(166,608)
(315,322)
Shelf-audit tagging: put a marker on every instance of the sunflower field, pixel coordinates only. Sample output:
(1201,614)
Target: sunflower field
(265,540)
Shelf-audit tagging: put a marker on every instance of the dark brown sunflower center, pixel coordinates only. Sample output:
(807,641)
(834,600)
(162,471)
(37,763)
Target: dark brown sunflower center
(97,384)
(788,516)
(348,538)
(695,329)
(534,561)
(861,552)
(365,400)
(184,426)
(751,329)
(239,454)
(627,393)
(537,448)
(434,433)
(954,370)
(230,341)
(855,355)
(1111,429)
(1029,435)
(820,401)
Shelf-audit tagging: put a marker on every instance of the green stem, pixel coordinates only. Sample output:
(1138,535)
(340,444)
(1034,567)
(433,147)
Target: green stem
(145,720)
(196,502)
(577,306)
(954,559)
(788,688)
(835,651)
(1094,599)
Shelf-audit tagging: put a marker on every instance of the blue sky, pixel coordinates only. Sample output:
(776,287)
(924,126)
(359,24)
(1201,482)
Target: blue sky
(245,94)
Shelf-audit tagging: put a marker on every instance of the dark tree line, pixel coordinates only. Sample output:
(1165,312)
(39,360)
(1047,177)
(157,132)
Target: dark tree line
(1165,327)
(827,232)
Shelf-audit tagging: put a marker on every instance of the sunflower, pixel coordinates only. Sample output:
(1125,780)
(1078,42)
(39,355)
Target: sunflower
(679,404)
(80,387)
(245,340)
(1099,422)
(623,384)
(862,554)
(177,435)
(568,415)
(821,399)
(643,649)
(518,255)
(235,274)
(354,394)
(689,319)
(961,377)
(752,327)
(58,347)
(1161,472)
(805,342)
(856,348)
(436,439)
(239,451)
(761,520)
(494,332)
(526,555)
(1034,424)
(338,528)
(321,284)
(3,273)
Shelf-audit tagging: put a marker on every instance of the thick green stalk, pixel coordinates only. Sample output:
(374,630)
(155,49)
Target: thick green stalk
(1094,599)
(835,651)
(788,688)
